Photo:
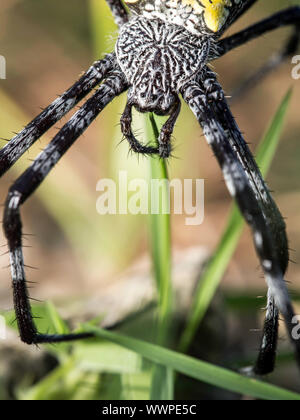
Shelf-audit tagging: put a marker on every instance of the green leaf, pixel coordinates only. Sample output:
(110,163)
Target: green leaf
(160,232)
(106,357)
(60,327)
(216,267)
(163,383)
(136,386)
(198,369)
(160,239)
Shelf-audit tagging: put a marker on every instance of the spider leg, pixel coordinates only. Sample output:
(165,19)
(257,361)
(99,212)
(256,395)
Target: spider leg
(246,185)
(135,145)
(283,18)
(18,145)
(166,131)
(27,183)
(240,8)
(266,359)
(289,49)
(118,11)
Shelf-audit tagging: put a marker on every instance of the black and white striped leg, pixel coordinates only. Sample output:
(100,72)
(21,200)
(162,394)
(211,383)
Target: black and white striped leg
(27,184)
(118,11)
(287,17)
(135,145)
(267,353)
(246,185)
(266,359)
(270,66)
(18,145)
(240,9)
(166,131)
(283,18)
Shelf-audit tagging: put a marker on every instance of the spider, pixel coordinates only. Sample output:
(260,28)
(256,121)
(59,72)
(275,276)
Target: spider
(162,52)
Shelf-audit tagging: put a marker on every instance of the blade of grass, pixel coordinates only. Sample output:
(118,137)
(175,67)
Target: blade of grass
(106,357)
(42,390)
(136,386)
(160,234)
(56,320)
(197,369)
(160,240)
(217,265)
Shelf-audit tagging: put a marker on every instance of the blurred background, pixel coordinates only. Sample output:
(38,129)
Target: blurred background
(86,261)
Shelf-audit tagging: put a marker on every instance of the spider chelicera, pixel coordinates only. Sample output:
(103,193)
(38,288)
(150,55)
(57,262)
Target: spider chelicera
(162,52)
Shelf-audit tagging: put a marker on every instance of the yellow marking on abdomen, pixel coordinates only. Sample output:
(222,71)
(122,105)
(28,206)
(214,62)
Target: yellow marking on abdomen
(215,12)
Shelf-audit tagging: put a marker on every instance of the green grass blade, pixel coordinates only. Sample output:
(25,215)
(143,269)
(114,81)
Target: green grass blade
(160,242)
(162,385)
(44,388)
(160,235)
(197,369)
(105,357)
(268,146)
(136,386)
(217,266)
(58,323)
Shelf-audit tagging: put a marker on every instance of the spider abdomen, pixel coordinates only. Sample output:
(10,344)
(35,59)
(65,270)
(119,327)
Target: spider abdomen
(157,59)
(205,16)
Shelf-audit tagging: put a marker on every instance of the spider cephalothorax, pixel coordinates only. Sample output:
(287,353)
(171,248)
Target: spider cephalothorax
(157,59)
(162,55)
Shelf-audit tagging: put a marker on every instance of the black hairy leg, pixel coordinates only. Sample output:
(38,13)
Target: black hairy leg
(288,17)
(272,64)
(266,358)
(164,138)
(118,11)
(135,145)
(19,144)
(27,183)
(246,185)
(241,8)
